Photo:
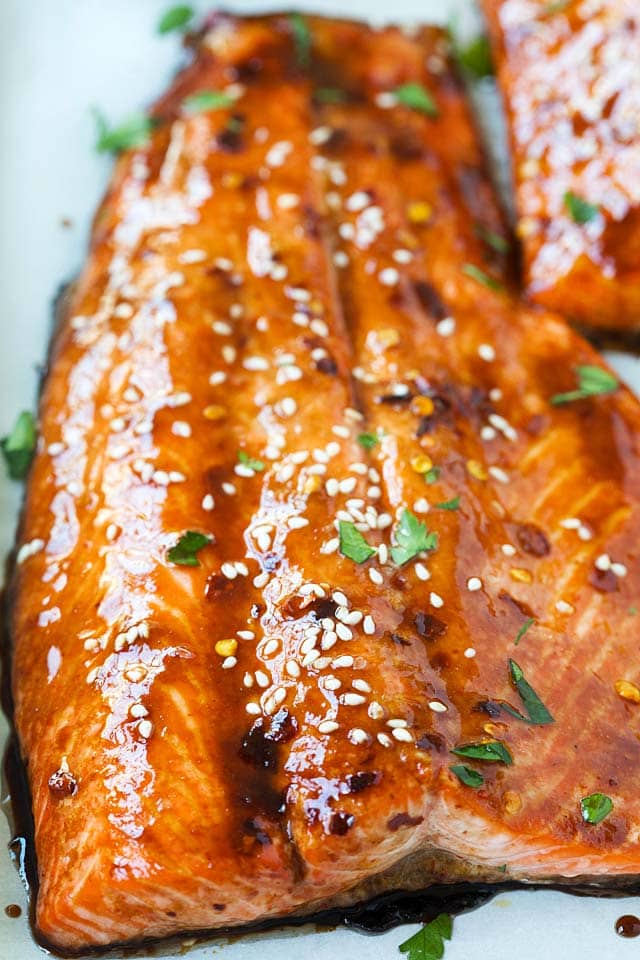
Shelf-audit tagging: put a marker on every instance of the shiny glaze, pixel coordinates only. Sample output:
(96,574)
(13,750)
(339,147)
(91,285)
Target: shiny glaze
(570,78)
(195,791)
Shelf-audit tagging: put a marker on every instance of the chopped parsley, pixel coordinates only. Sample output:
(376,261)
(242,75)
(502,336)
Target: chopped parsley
(431,476)
(537,713)
(475,57)
(416,97)
(596,807)
(494,240)
(250,462)
(352,544)
(580,210)
(330,95)
(449,504)
(470,270)
(185,550)
(470,778)
(368,440)
(493,751)
(175,18)
(302,39)
(19,446)
(132,132)
(412,537)
(523,629)
(428,943)
(592,381)
(207,100)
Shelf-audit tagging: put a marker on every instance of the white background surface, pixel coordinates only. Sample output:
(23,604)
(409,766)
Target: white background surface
(56,60)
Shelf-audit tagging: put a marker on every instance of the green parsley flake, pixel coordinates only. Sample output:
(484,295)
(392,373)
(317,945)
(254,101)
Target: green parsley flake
(580,210)
(352,544)
(428,943)
(175,18)
(416,97)
(207,100)
(494,240)
(431,476)
(470,270)
(19,446)
(492,751)
(537,713)
(302,38)
(475,57)
(412,537)
(133,132)
(184,552)
(470,778)
(596,807)
(330,95)
(368,440)
(592,381)
(449,504)
(250,462)
(523,629)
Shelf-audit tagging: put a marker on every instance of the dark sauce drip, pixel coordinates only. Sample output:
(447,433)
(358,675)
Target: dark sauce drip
(628,926)
(13,910)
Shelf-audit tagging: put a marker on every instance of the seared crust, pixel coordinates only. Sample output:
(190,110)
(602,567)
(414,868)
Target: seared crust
(569,74)
(279,277)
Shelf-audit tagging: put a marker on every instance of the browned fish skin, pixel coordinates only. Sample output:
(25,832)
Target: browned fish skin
(244,264)
(570,77)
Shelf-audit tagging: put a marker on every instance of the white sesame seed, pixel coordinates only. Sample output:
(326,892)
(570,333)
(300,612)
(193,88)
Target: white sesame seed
(508,549)
(384,740)
(384,520)
(270,647)
(255,363)
(358,736)
(619,569)
(375,710)
(352,699)
(347,485)
(474,583)
(330,546)
(469,653)
(368,625)
(389,276)
(292,669)
(498,474)
(402,735)
(332,487)
(421,571)
(332,683)
(487,433)
(446,327)
(563,607)
(375,576)
(402,256)
(247,680)
(340,258)
(310,658)
(361,685)
(296,523)
(261,579)
(343,631)
(383,553)
(228,663)
(253,709)
(242,470)
(288,201)
(570,523)
(221,328)
(229,571)
(435,599)
(320,135)
(584,533)
(328,726)
(397,722)
(486,352)
(287,407)
(342,661)
(228,488)
(603,562)
(145,729)
(386,100)
(357,201)
(180,428)
(437,706)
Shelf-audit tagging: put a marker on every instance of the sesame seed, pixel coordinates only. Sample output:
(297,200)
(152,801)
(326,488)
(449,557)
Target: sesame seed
(603,562)
(261,579)
(375,576)
(435,600)
(330,546)
(402,256)
(488,433)
(389,276)
(368,625)
(375,710)
(229,571)
(474,583)
(145,729)
(342,661)
(402,735)
(288,201)
(361,685)
(255,363)
(296,523)
(208,503)
(437,706)
(469,653)
(340,258)
(619,569)
(563,607)
(352,699)
(217,377)
(310,658)
(320,135)
(386,100)
(570,523)
(221,328)
(508,549)
(384,520)
(498,474)
(270,647)
(446,327)
(253,709)
(332,487)
(247,680)
(486,352)
(347,485)
(328,726)
(229,488)
(421,571)
(384,740)
(228,663)
(332,683)
(292,669)
(357,736)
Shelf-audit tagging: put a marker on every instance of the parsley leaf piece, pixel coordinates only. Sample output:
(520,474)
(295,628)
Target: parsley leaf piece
(302,39)
(428,943)
(475,57)
(19,446)
(536,710)
(352,544)
(412,537)
(494,240)
(470,270)
(416,97)
(175,18)
(493,751)
(470,778)
(523,629)
(431,476)
(596,807)
(592,381)
(207,100)
(132,132)
(368,440)
(250,462)
(330,95)
(449,504)
(580,210)
(184,552)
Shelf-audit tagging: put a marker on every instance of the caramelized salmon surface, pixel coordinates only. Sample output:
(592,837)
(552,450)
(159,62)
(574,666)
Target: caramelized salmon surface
(569,73)
(311,510)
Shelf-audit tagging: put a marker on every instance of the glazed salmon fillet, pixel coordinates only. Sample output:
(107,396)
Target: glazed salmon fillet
(569,74)
(317,503)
